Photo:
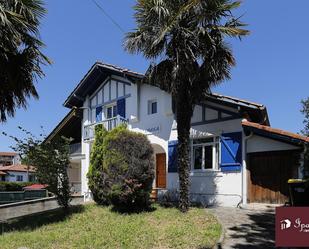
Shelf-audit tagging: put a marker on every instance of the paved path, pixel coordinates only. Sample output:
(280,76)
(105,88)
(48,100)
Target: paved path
(245,228)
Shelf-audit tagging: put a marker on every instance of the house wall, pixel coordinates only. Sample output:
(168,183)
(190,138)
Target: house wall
(260,144)
(11,176)
(211,187)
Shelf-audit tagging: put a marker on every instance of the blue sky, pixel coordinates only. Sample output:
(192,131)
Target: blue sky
(272,63)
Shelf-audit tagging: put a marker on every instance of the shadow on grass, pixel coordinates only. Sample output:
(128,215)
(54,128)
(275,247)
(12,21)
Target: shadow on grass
(35,221)
(133,210)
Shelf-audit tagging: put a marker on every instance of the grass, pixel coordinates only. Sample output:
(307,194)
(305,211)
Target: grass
(92,226)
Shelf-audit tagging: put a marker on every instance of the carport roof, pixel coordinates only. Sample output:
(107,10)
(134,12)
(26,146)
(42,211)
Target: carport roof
(275,133)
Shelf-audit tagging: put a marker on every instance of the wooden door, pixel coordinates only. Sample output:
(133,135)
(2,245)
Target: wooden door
(268,173)
(161,170)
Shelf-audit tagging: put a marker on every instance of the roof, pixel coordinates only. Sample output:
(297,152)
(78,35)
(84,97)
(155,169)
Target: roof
(36,186)
(100,71)
(94,78)
(275,133)
(8,154)
(18,168)
(2,173)
(68,126)
(256,112)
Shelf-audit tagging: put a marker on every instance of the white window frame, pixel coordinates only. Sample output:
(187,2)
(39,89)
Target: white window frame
(111,105)
(150,102)
(215,154)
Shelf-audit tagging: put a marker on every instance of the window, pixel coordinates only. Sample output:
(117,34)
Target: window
(152,107)
(19,178)
(32,178)
(205,154)
(111,111)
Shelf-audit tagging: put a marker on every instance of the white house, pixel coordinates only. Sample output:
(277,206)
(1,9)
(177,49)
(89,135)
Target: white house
(236,157)
(17,173)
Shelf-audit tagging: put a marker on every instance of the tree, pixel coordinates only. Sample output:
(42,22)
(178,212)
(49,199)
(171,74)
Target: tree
(20,55)
(186,37)
(305,112)
(305,132)
(95,173)
(51,161)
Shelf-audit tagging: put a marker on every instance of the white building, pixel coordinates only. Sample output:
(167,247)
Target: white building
(236,157)
(17,173)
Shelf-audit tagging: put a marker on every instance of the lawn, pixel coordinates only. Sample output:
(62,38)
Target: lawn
(92,227)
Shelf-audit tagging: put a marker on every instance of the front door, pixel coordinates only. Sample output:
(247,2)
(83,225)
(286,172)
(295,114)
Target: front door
(161,170)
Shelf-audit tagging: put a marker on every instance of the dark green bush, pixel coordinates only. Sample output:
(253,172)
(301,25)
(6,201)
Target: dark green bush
(13,186)
(122,169)
(128,168)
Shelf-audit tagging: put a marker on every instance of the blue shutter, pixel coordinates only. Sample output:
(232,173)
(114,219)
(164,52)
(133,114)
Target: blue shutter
(172,157)
(231,151)
(121,107)
(98,114)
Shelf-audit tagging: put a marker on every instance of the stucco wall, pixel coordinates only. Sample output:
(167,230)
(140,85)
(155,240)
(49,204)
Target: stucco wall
(11,177)
(259,144)
(212,187)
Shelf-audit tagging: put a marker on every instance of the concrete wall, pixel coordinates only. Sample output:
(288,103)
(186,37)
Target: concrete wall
(20,209)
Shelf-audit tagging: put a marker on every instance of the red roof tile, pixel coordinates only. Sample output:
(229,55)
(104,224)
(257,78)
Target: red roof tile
(2,173)
(8,154)
(18,167)
(36,186)
(275,131)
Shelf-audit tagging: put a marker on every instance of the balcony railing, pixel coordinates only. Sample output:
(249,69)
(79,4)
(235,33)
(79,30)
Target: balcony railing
(75,149)
(108,124)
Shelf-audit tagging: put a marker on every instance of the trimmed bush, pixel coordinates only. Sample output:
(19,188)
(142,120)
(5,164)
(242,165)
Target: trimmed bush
(122,169)
(13,186)
(95,173)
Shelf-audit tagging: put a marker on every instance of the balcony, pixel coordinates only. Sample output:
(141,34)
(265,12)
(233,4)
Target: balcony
(108,124)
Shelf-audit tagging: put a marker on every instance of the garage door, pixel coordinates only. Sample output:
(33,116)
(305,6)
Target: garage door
(268,173)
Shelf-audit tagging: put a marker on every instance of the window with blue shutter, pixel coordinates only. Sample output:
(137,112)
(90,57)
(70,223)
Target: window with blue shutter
(172,157)
(98,113)
(231,151)
(121,107)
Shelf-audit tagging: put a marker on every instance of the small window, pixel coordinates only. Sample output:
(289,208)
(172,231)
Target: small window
(152,107)
(111,111)
(19,178)
(205,154)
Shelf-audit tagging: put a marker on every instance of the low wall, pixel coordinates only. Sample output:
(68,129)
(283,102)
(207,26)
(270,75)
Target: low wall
(20,209)
(27,195)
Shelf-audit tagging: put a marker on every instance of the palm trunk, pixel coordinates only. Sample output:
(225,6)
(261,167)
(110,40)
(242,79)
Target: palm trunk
(183,117)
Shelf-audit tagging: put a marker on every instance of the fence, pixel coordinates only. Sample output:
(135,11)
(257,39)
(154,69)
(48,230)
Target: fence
(12,197)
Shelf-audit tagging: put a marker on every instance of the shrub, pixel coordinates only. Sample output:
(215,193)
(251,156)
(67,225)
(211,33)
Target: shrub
(13,186)
(128,168)
(95,173)
(121,168)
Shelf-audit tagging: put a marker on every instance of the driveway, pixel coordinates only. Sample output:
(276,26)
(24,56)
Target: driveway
(253,227)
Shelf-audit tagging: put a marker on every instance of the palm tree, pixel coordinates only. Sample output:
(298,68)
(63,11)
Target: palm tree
(20,55)
(186,39)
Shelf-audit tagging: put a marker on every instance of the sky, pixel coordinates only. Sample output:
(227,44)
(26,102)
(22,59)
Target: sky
(272,63)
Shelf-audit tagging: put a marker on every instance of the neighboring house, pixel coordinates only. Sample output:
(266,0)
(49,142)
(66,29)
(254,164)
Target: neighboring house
(236,157)
(17,173)
(9,158)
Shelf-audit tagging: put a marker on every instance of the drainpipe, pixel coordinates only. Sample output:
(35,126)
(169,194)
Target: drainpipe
(244,170)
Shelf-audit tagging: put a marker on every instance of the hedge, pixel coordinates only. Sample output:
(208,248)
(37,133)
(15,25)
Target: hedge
(13,186)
